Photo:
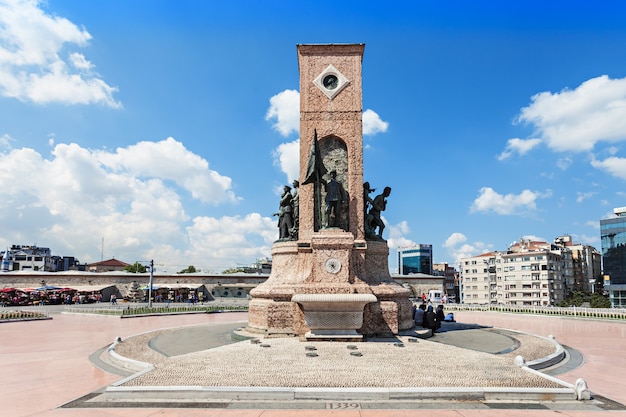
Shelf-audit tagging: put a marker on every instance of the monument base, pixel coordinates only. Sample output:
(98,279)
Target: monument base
(332,264)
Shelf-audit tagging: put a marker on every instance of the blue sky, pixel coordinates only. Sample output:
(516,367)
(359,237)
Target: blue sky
(165,130)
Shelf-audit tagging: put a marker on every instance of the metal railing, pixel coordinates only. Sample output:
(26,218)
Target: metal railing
(579,312)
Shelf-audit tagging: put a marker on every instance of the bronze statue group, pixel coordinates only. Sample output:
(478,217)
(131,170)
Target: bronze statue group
(336,198)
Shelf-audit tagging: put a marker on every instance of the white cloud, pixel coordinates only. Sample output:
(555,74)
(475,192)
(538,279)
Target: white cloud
(285,109)
(133,198)
(372,123)
(580,196)
(397,234)
(5,141)
(518,146)
(564,163)
(287,157)
(454,239)
(575,120)
(457,248)
(490,200)
(593,240)
(32,62)
(170,160)
(614,165)
(532,238)
(230,239)
(79,61)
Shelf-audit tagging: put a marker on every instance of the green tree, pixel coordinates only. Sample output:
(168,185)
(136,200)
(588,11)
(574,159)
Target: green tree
(599,301)
(136,268)
(577,298)
(189,270)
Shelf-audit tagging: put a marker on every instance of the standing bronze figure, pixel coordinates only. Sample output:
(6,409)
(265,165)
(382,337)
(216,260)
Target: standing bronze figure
(335,197)
(285,212)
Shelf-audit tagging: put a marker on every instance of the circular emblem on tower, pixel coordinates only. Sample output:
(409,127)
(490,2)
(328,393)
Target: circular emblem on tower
(332,265)
(331,81)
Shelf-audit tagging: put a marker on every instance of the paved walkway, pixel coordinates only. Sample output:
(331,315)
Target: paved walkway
(46,364)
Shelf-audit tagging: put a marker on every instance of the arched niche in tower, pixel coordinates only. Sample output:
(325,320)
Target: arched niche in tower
(334,152)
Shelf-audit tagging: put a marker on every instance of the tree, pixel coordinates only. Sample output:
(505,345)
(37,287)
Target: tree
(599,301)
(136,268)
(189,270)
(577,298)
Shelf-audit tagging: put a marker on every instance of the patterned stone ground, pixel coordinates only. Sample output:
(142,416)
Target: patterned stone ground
(283,363)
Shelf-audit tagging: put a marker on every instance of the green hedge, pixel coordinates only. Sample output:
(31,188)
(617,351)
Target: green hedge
(142,311)
(22,315)
(155,310)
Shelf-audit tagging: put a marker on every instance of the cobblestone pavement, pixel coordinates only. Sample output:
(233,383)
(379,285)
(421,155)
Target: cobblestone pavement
(283,362)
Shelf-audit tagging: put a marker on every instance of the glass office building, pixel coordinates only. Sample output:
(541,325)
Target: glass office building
(613,234)
(415,259)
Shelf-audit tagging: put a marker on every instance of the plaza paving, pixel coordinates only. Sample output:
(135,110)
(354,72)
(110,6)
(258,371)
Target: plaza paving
(46,365)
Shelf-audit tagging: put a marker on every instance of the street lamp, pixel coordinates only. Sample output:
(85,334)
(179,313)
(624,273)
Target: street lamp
(151,281)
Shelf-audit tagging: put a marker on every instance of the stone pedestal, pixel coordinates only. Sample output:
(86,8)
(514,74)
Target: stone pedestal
(332,264)
(333,316)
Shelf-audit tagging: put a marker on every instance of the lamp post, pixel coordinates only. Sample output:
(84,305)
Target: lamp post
(151,281)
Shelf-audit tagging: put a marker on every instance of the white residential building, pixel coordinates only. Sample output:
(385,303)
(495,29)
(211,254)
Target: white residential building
(530,273)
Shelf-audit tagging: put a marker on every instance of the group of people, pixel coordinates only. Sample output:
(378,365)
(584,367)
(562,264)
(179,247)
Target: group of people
(429,318)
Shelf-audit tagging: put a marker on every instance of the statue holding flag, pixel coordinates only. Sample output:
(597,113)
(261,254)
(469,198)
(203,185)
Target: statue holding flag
(314,172)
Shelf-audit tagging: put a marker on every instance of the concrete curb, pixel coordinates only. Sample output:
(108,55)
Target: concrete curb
(182,393)
(126,363)
(549,360)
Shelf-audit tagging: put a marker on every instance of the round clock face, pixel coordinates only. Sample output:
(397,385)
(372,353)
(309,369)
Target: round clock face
(330,81)
(333,265)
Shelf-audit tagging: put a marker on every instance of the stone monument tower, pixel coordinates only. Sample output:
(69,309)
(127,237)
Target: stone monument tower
(332,281)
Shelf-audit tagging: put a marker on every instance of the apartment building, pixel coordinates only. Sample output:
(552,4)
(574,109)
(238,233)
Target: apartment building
(529,273)
(450,282)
